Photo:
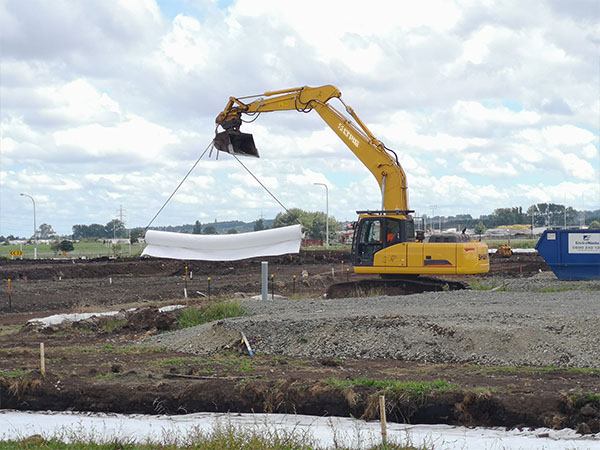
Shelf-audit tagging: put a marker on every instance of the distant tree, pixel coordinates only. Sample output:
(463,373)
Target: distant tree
(116,248)
(314,222)
(507,216)
(115,228)
(232,231)
(292,216)
(197,228)
(66,246)
(210,229)
(594,225)
(546,214)
(55,247)
(45,231)
(480,228)
(259,225)
(318,228)
(94,230)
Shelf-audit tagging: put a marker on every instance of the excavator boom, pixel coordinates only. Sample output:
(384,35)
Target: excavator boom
(352,131)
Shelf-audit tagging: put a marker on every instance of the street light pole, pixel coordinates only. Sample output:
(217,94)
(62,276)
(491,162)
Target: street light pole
(34,227)
(326,212)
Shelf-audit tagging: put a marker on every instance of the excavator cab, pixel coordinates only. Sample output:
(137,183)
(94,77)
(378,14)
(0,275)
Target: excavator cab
(235,142)
(374,233)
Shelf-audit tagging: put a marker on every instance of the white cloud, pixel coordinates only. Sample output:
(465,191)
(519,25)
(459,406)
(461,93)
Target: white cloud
(185,44)
(475,112)
(486,104)
(489,166)
(135,136)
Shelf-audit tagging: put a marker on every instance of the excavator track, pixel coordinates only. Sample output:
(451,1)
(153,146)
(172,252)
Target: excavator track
(395,286)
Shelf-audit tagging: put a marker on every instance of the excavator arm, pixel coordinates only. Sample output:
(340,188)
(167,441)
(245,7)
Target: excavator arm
(354,133)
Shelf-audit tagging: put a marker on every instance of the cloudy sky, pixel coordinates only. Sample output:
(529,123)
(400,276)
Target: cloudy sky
(106,105)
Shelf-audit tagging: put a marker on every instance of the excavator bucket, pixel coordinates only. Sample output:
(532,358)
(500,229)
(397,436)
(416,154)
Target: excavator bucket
(236,143)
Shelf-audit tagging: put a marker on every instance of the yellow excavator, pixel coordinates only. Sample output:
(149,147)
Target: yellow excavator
(385,241)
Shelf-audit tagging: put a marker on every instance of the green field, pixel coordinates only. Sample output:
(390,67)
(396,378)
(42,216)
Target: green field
(94,249)
(87,249)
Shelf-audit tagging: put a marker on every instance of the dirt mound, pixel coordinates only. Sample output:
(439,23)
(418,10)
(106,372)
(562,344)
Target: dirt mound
(148,319)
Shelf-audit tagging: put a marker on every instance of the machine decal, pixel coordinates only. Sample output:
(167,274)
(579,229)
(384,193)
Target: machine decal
(347,133)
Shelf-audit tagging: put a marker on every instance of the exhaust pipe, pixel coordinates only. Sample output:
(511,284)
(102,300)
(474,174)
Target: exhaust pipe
(236,143)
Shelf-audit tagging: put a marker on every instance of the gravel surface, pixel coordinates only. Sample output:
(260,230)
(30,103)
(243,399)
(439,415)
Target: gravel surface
(559,328)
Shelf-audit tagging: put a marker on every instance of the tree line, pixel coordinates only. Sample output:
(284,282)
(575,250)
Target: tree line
(542,214)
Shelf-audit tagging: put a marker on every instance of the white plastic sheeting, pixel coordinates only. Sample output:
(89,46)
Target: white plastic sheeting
(228,247)
(326,432)
(57,319)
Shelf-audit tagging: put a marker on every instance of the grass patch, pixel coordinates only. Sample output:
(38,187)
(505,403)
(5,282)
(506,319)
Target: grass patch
(414,389)
(225,437)
(108,375)
(108,348)
(234,362)
(82,248)
(191,317)
(585,398)
(17,373)
(207,365)
(17,352)
(478,285)
(110,325)
(7,330)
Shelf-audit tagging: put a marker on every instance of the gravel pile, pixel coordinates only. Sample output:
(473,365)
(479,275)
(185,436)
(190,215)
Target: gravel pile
(480,327)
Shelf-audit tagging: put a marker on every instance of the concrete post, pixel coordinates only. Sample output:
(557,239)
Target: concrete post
(265,279)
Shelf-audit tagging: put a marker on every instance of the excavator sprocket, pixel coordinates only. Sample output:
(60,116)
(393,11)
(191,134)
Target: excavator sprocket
(395,286)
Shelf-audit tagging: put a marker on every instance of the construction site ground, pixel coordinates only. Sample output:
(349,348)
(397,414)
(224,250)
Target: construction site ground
(313,355)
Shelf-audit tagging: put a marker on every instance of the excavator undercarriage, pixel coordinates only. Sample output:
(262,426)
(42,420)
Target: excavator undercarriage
(393,286)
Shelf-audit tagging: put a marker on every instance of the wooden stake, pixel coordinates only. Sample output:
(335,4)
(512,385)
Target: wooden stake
(383,420)
(9,295)
(42,360)
(185,283)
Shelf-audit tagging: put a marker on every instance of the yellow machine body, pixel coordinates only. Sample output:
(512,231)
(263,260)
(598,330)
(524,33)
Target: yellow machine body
(380,247)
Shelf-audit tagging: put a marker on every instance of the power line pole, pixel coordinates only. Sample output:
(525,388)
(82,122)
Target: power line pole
(121,214)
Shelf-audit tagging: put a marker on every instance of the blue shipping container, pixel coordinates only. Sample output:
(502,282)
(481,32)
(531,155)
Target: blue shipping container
(571,254)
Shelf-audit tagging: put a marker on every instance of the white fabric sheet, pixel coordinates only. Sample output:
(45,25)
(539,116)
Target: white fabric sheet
(225,247)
